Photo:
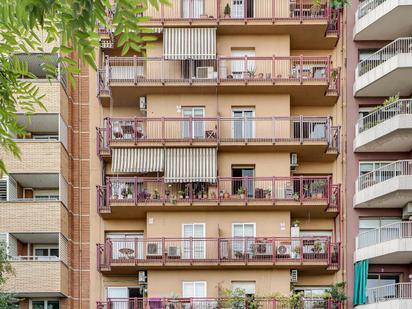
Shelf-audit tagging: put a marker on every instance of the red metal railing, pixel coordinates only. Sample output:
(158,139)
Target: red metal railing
(217,303)
(149,190)
(218,251)
(222,70)
(219,130)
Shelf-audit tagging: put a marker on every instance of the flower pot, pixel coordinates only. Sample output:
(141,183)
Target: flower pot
(226,195)
(319,195)
(242,196)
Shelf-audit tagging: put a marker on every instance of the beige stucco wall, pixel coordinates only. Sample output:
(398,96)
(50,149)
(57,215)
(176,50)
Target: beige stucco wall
(163,283)
(38,277)
(218,224)
(34,217)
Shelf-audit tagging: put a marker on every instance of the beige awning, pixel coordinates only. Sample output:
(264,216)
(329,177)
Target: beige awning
(137,160)
(191,165)
(189,43)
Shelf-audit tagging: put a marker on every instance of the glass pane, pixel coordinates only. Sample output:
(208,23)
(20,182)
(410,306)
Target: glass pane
(198,230)
(365,168)
(54,252)
(200,288)
(53,304)
(249,230)
(38,304)
(187,230)
(369,223)
(188,289)
(41,252)
(238,230)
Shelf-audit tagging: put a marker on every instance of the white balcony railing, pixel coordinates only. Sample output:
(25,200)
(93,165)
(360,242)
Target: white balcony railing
(385,233)
(399,107)
(392,170)
(367,6)
(397,47)
(389,292)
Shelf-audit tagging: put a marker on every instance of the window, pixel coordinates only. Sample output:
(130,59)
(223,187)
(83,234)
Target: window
(238,8)
(379,174)
(371,223)
(243,125)
(242,230)
(45,304)
(195,289)
(46,253)
(377,280)
(123,293)
(239,69)
(127,245)
(239,185)
(195,248)
(312,292)
(196,129)
(196,11)
(249,287)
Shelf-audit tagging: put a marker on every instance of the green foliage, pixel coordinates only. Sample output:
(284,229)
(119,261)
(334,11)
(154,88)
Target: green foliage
(337,292)
(238,299)
(70,25)
(338,4)
(391,100)
(226,10)
(7,300)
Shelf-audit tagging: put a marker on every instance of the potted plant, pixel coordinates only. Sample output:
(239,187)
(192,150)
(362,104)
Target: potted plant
(204,194)
(156,194)
(267,193)
(318,188)
(226,11)
(226,195)
(315,8)
(181,194)
(173,199)
(129,193)
(296,223)
(296,196)
(241,193)
(337,294)
(317,247)
(238,254)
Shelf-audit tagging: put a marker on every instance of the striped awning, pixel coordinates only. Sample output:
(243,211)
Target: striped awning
(189,43)
(191,165)
(137,160)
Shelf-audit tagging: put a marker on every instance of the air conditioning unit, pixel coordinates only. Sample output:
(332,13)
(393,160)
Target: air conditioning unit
(283,250)
(263,249)
(293,275)
(204,72)
(173,252)
(142,278)
(143,103)
(153,249)
(293,161)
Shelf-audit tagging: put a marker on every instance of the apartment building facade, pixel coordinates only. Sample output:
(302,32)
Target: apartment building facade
(218,162)
(379,154)
(43,221)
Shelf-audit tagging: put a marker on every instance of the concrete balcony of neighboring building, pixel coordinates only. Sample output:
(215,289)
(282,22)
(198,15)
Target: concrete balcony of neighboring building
(308,78)
(387,187)
(249,17)
(133,196)
(388,129)
(382,20)
(389,244)
(127,255)
(386,72)
(306,136)
(395,296)
(40,264)
(213,302)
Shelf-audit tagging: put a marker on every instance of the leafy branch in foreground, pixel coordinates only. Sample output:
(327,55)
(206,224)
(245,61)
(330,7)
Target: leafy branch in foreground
(7,300)
(69,26)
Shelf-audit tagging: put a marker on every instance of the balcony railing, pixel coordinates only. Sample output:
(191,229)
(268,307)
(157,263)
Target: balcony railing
(222,70)
(398,230)
(367,6)
(399,107)
(384,173)
(149,190)
(389,292)
(216,303)
(218,130)
(397,47)
(217,251)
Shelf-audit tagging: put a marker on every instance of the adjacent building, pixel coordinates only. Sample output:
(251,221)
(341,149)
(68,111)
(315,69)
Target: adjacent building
(379,123)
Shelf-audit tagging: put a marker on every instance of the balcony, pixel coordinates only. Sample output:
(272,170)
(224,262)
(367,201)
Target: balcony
(389,244)
(387,187)
(382,20)
(127,254)
(293,17)
(278,133)
(276,74)
(397,295)
(388,129)
(210,302)
(120,194)
(385,72)
(38,274)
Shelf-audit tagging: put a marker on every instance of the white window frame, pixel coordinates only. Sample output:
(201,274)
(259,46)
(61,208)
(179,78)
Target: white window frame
(253,122)
(131,245)
(236,245)
(201,124)
(120,287)
(237,66)
(244,281)
(372,162)
(194,288)
(202,242)
(243,224)
(41,247)
(45,302)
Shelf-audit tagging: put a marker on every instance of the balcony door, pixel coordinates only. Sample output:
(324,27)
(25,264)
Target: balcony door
(195,129)
(126,245)
(243,125)
(378,175)
(195,248)
(240,69)
(243,238)
(192,8)
(240,185)
(120,295)
(238,8)
(378,280)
